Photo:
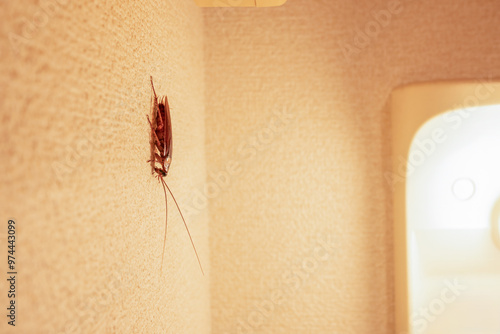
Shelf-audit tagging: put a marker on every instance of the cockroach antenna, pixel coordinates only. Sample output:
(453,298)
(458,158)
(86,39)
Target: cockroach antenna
(161,156)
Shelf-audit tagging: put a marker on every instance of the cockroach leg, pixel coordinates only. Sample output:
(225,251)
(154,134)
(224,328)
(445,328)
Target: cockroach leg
(160,126)
(157,141)
(157,159)
(153,145)
(152,86)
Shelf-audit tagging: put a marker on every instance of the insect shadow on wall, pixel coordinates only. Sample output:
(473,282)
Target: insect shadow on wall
(161,156)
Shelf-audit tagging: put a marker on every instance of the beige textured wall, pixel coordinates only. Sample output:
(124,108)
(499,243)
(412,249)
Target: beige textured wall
(294,135)
(301,233)
(74,144)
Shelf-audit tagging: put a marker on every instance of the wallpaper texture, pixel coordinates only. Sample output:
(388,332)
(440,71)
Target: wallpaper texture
(281,141)
(75,93)
(300,235)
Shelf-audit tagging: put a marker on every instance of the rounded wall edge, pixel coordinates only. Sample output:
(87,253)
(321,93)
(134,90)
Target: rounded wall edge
(411,106)
(270,3)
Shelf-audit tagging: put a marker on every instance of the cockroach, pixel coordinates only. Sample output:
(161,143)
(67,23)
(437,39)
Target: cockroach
(161,156)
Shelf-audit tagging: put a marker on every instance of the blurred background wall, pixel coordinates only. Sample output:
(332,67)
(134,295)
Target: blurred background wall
(301,237)
(75,92)
(281,142)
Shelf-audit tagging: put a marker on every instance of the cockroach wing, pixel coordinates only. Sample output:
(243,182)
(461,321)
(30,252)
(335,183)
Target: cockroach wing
(167,149)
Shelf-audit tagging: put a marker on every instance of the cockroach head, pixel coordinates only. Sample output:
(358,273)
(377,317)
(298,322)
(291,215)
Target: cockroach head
(160,172)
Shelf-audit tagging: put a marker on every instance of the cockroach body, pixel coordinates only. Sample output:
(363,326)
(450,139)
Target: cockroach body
(161,155)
